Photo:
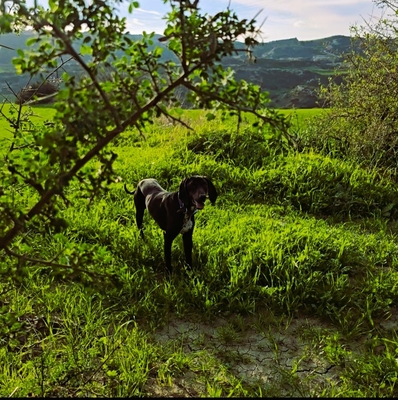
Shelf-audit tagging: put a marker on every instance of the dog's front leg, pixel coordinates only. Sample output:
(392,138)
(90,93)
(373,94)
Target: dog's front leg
(168,241)
(187,240)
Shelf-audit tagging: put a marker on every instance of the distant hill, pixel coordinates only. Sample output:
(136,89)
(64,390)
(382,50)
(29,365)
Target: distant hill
(290,70)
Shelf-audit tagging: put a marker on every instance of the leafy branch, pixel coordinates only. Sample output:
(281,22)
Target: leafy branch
(91,112)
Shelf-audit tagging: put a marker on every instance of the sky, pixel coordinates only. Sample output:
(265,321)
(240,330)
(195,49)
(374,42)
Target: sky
(284,19)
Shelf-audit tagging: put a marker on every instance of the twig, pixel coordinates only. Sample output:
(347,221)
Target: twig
(12,393)
(174,119)
(47,263)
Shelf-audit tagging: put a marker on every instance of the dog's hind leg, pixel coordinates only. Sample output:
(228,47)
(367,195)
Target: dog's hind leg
(139,201)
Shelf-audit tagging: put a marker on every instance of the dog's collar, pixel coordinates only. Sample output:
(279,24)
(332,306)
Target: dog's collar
(185,209)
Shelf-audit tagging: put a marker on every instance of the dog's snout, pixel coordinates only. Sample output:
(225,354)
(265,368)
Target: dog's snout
(202,198)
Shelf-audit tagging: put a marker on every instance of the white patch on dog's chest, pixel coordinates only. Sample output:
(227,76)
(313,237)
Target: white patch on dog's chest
(187,224)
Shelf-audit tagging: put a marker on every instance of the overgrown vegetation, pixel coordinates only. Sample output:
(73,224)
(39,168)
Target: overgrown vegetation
(258,255)
(297,238)
(362,120)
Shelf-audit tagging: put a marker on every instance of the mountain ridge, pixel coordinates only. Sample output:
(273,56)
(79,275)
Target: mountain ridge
(289,69)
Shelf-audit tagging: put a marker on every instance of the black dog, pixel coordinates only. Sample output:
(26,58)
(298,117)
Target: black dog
(173,211)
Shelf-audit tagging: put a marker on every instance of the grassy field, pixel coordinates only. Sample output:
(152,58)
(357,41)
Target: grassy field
(40,114)
(293,292)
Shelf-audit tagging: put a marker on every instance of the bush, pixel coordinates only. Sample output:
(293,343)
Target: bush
(39,90)
(325,186)
(362,119)
(245,148)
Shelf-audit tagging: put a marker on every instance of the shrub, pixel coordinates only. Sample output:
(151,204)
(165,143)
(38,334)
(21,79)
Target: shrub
(244,148)
(362,119)
(326,186)
(41,90)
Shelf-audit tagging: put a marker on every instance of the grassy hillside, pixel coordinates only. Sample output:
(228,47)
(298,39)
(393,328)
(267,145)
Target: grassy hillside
(293,291)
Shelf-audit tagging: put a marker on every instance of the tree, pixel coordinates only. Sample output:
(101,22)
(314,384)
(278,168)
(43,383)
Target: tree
(362,122)
(91,112)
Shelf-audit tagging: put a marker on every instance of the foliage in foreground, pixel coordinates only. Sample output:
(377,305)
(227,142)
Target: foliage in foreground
(93,110)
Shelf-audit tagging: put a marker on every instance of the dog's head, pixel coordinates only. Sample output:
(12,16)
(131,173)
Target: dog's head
(193,191)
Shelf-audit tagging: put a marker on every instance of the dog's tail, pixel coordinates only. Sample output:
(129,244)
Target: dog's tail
(128,191)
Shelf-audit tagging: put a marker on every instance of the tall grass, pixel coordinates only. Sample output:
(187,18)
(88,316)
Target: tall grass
(292,234)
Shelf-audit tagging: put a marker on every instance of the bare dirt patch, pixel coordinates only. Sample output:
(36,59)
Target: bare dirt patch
(280,358)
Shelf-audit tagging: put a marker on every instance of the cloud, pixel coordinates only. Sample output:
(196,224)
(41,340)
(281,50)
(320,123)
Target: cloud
(298,24)
(284,19)
(136,21)
(148,11)
(149,19)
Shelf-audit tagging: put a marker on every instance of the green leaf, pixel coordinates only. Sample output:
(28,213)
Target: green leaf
(31,41)
(53,4)
(132,5)
(84,50)
(112,373)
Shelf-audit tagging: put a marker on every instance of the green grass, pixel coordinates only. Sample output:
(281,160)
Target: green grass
(28,117)
(36,115)
(40,114)
(295,279)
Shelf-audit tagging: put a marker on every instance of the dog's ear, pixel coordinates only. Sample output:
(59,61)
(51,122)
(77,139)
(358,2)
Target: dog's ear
(183,192)
(212,190)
